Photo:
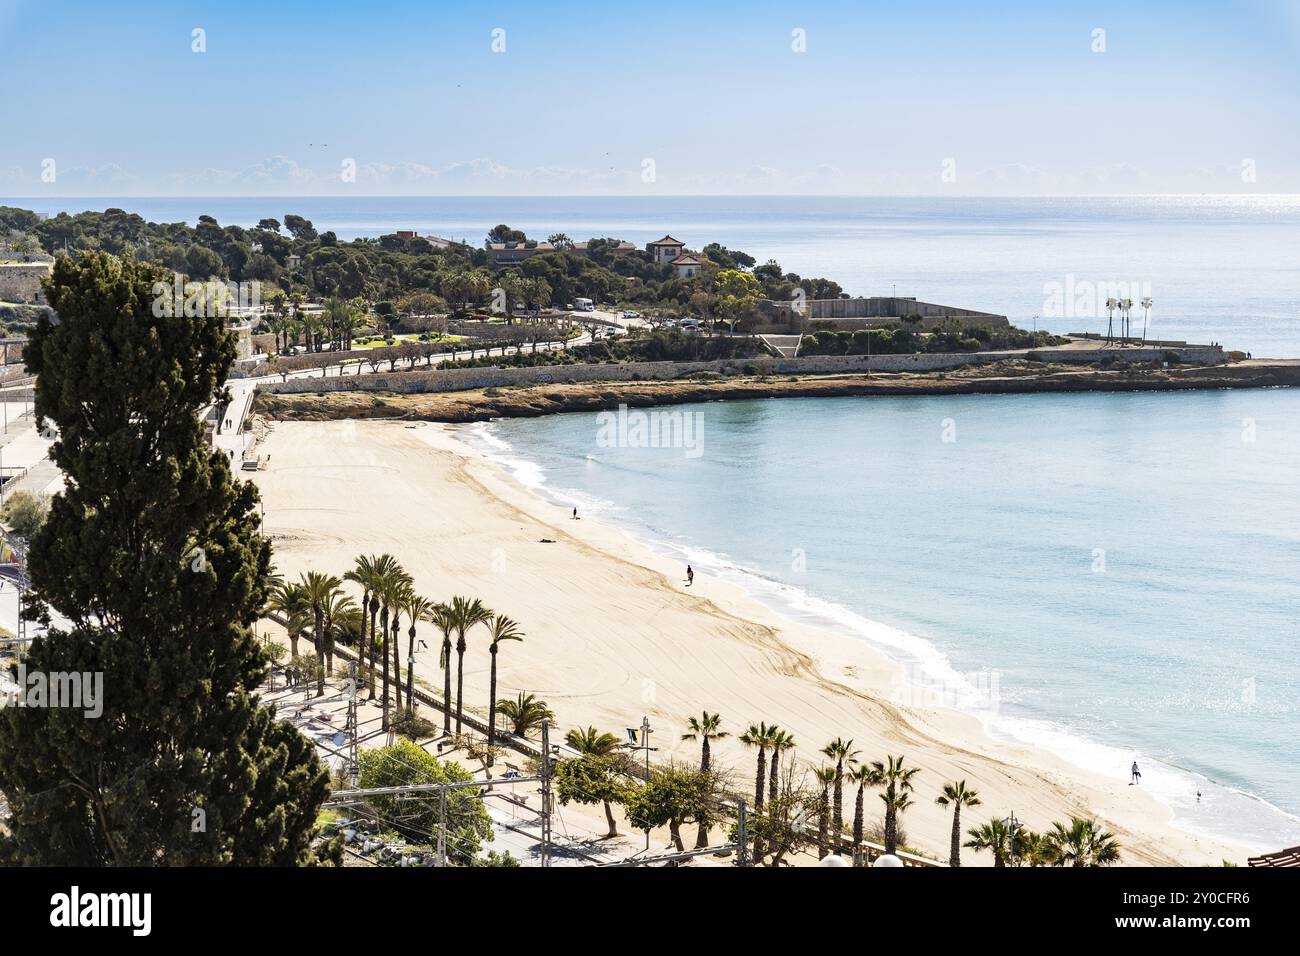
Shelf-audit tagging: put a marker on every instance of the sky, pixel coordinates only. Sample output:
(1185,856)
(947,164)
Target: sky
(562,98)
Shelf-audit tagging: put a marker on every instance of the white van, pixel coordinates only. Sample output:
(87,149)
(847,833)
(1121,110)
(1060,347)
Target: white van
(583,305)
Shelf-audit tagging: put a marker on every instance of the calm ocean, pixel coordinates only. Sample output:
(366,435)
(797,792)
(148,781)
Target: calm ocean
(1114,577)
(1220,268)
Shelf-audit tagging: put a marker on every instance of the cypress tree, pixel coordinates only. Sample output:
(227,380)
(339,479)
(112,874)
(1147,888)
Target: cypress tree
(149,570)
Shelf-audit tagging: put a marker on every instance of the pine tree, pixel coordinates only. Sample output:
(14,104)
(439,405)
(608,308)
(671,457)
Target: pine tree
(150,556)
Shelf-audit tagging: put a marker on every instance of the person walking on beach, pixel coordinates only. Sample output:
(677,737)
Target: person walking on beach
(690,575)
(1136,775)
(575,514)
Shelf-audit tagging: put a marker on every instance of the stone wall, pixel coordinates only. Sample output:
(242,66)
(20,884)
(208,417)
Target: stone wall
(21,282)
(455,380)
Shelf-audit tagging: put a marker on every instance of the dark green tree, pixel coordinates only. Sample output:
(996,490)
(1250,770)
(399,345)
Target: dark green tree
(149,571)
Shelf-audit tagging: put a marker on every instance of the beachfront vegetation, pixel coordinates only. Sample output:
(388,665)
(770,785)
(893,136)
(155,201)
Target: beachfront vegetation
(24,513)
(413,278)
(905,340)
(150,554)
(525,713)
(416,816)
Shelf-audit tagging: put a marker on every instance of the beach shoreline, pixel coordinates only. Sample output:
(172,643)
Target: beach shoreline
(613,633)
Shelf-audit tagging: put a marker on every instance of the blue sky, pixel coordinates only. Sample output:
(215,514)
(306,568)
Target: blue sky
(625,98)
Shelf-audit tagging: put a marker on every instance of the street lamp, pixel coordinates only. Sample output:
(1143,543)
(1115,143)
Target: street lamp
(1012,825)
(887,861)
(644,745)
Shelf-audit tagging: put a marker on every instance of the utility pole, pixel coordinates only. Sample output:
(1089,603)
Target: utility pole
(354,768)
(442,827)
(547,798)
(742,835)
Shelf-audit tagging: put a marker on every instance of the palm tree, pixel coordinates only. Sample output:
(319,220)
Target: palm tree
(897,795)
(1146,315)
(445,620)
(525,712)
(500,629)
(400,593)
(957,795)
(759,735)
(467,613)
(593,743)
(781,742)
(366,572)
(1111,305)
(705,728)
(319,589)
(390,585)
(825,776)
(839,750)
(864,775)
(417,609)
(1083,843)
(991,836)
(291,602)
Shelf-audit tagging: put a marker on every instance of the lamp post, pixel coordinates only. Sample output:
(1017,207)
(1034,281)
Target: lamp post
(1012,826)
(644,745)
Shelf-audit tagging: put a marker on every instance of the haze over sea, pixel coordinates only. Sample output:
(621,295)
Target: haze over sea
(1220,268)
(1124,569)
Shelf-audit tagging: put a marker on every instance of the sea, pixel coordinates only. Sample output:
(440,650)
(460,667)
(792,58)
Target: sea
(1113,577)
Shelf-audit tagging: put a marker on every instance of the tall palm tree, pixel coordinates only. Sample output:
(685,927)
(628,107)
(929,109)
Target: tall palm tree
(826,777)
(525,712)
(1082,843)
(991,836)
(781,742)
(957,795)
(839,750)
(444,619)
(864,775)
(319,588)
(704,728)
(1111,305)
(366,572)
(390,586)
(336,608)
(467,613)
(398,596)
(759,735)
(1146,315)
(897,796)
(417,609)
(500,629)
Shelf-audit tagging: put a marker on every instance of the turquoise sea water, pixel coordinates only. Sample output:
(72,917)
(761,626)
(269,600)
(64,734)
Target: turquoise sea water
(1220,268)
(1115,577)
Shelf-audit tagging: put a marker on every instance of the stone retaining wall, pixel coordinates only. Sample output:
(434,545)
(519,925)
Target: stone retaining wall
(454,380)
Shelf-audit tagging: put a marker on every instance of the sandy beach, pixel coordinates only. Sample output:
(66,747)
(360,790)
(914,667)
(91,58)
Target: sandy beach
(613,633)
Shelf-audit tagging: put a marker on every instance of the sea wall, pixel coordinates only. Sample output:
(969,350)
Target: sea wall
(452,380)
